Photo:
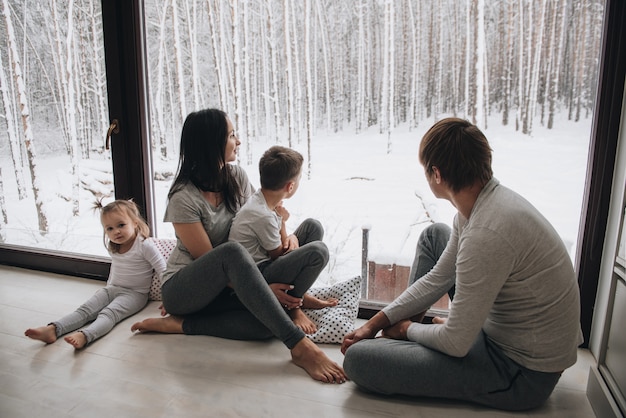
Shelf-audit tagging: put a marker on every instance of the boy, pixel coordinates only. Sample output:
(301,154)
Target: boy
(260,227)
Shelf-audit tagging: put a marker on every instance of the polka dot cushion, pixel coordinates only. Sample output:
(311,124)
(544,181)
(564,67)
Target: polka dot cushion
(333,323)
(165,247)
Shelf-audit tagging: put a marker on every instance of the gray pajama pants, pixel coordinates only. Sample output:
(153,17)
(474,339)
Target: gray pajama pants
(485,375)
(301,267)
(247,310)
(105,308)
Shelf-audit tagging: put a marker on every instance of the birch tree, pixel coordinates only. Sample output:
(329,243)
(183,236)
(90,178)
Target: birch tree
(310,113)
(289,73)
(14,60)
(180,73)
(12,133)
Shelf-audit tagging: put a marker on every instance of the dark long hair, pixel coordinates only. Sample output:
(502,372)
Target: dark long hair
(201,160)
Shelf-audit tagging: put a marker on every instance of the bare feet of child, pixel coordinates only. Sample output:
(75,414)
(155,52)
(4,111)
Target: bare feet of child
(76,339)
(168,325)
(46,334)
(302,321)
(311,302)
(311,358)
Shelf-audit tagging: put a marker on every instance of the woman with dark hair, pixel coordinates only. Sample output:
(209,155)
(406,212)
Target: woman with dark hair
(513,325)
(212,286)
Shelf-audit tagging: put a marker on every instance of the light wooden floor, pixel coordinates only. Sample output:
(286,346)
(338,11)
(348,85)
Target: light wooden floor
(126,375)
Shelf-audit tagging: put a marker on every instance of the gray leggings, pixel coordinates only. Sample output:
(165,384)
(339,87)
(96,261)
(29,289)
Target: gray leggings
(105,308)
(248,310)
(485,375)
(302,266)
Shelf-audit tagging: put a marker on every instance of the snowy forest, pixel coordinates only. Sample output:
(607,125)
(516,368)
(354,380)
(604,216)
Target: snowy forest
(285,71)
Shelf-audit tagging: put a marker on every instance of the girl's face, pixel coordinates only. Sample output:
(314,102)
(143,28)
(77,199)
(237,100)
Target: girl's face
(119,227)
(232,143)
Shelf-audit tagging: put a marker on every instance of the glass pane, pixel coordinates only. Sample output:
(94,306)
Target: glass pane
(354,85)
(54,120)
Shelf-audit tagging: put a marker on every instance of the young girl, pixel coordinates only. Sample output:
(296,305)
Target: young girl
(133,258)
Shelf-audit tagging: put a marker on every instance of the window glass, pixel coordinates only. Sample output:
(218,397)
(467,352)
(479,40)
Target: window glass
(53,161)
(354,85)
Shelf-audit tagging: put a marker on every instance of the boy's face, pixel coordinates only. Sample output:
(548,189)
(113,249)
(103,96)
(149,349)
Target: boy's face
(293,185)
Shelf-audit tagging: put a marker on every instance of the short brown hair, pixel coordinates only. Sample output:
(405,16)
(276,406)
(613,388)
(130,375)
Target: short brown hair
(459,150)
(278,166)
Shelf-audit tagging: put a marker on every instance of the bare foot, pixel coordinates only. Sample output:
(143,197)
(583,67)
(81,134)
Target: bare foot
(168,325)
(302,321)
(311,302)
(76,339)
(47,334)
(312,359)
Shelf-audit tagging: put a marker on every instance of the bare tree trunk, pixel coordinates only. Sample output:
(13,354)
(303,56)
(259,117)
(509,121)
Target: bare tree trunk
(468,58)
(327,81)
(191,11)
(289,73)
(535,69)
(480,116)
(508,65)
(248,117)
(556,70)
(12,133)
(310,113)
(25,112)
(274,55)
(266,64)
(180,72)
(359,113)
(240,123)
(215,48)
(71,110)
(158,106)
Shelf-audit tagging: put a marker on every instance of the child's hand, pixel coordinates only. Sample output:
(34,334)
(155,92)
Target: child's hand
(163,311)
(290,244)
(282,212)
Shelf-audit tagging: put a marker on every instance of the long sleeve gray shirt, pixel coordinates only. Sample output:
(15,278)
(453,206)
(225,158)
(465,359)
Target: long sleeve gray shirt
(514,280)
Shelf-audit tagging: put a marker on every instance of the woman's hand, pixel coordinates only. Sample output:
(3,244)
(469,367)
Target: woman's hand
(163,311)
(286,300)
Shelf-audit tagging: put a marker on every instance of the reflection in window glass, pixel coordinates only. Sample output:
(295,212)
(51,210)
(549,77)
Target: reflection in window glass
(353,86)
(54,116)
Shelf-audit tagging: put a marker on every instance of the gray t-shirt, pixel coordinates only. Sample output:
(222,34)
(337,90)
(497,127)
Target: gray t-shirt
(188,205)
(257,228)
(514,280)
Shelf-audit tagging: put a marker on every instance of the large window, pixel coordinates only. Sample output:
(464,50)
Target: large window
(352,85)
(55,116)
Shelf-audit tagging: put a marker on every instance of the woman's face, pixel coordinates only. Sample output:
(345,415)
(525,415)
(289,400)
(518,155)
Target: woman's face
(232,143)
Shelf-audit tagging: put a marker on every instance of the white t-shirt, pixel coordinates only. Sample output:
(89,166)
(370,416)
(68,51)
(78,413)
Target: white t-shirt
(133,269)
(257,228)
